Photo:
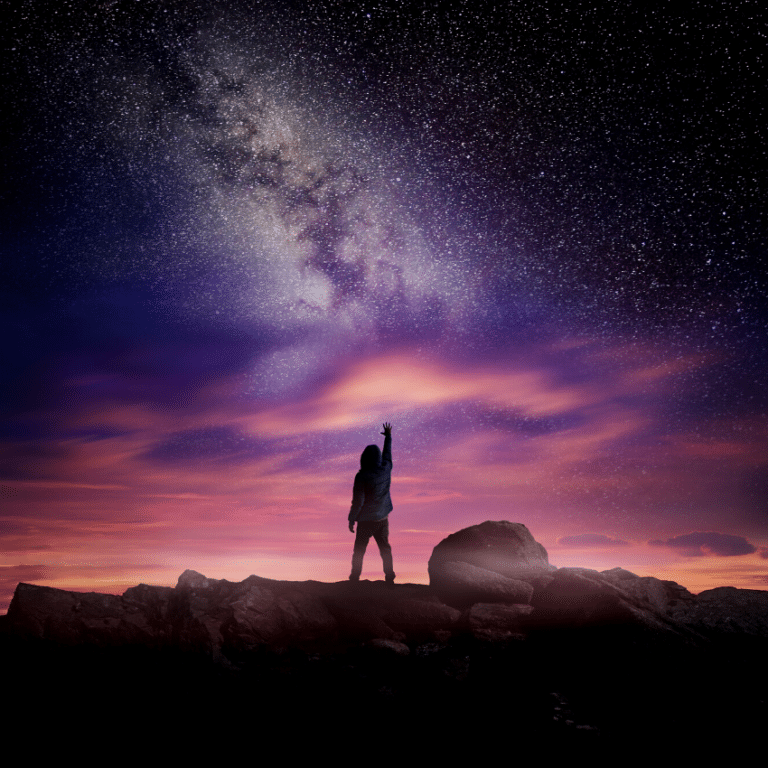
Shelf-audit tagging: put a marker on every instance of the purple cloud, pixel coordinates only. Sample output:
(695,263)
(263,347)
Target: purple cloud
(701,543)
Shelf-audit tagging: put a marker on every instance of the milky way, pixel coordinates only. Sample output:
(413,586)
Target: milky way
(234,230)
(310,224)
(581,163)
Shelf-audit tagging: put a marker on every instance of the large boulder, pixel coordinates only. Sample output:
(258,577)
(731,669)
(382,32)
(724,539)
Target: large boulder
(493,562)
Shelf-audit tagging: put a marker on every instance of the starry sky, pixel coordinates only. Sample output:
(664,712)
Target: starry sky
(237,237)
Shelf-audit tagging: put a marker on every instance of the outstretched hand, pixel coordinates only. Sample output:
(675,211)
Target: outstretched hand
(387,429)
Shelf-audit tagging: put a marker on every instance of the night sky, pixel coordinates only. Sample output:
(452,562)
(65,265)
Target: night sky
(237,237)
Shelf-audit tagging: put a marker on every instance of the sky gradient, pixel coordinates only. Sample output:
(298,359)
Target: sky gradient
(238,237)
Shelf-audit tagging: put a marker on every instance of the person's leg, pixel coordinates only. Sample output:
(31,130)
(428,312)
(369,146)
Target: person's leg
(361,543)
(381,534)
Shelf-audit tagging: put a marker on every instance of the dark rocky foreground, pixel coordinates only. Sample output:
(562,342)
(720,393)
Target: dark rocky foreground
(501,649)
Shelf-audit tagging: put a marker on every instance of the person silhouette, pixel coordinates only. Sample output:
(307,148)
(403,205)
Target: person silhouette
(371,505)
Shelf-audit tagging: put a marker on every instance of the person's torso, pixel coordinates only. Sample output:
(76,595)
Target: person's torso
(377,503)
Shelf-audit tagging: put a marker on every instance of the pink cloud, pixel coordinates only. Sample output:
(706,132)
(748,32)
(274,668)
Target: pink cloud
(270,485)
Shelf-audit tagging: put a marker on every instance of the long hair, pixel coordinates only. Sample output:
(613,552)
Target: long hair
(370,458)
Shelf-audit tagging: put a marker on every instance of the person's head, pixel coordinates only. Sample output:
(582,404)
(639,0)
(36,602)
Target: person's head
(370,458)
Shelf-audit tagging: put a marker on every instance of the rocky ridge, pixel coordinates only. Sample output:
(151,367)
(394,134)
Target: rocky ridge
(491,581)
(498,637)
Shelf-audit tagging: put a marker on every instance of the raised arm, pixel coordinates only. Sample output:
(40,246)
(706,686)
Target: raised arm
(386,454)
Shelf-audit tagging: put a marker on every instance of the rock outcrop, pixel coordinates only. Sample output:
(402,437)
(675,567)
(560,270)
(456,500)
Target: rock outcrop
(225,621)
(557,651)
(491,580)
(501,563)
(500,546)
(490,562)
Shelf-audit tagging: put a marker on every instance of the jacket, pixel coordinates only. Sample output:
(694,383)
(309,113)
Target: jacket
(370,493)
